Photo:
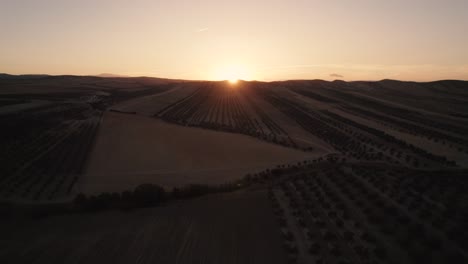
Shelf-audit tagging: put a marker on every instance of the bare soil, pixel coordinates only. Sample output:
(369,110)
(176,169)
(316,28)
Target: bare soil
(132,149)
(226,228)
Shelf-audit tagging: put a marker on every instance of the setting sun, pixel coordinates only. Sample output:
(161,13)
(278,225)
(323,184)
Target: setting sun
(232,73)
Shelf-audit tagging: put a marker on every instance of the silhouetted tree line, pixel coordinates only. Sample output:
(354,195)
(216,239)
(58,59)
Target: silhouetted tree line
(142,196)
(269,175)
(147,195)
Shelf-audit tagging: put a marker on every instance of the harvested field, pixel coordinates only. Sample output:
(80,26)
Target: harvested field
(132,149)
(227,228)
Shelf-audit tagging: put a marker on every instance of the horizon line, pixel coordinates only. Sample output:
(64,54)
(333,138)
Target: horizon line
(102,75)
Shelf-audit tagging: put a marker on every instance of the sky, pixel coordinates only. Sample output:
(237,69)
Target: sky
(420,40)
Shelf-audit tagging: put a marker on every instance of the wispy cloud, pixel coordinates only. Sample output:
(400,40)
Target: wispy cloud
(335,75)
(201,30)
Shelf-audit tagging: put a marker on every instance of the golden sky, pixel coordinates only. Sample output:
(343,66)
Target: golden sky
(417,40)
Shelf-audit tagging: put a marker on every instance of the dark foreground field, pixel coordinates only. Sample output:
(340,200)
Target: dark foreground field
(236,227)
(323,172)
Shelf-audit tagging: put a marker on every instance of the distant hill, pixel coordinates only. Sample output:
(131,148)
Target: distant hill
(111,75)
(311,82)
(70,83)
(23,76)
(106,76)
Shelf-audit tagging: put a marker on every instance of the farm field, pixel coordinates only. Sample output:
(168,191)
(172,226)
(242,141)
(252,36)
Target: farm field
(289,172)
(222,228)
(250,126)
(49,125)
(44,150)
(150,105)
(131,150)
(370,213)
(426,143)
(340,96)
(235,109)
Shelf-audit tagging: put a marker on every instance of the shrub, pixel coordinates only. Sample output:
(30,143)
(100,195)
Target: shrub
(80,199)
(380,252)
(149,194)
(314,249)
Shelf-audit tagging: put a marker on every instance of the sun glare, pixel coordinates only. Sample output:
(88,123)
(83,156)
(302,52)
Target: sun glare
(232,73)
